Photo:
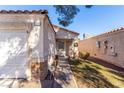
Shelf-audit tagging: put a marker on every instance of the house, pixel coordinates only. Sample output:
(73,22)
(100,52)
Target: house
(107,46)
(29,43)
(64,40)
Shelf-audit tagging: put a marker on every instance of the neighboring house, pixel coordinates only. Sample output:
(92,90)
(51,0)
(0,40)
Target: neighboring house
(29,43)
(86,36)
(108,46)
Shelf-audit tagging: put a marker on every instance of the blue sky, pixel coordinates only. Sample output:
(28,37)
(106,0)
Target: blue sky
(94,21)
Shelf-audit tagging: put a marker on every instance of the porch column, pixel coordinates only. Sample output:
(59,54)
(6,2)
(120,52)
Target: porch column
(65,47)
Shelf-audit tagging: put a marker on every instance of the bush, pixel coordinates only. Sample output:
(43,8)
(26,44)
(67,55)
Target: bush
(84,56)
(81,55)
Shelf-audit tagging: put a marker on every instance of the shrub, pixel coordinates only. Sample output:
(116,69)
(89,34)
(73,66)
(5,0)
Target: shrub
(84,56)
(81,55)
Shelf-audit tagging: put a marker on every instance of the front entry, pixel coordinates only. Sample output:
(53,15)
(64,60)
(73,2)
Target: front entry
(63,47)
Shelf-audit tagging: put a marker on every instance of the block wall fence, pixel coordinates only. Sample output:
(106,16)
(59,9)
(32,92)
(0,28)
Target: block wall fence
(108,47)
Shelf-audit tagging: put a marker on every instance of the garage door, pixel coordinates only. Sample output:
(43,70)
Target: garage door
(13,54)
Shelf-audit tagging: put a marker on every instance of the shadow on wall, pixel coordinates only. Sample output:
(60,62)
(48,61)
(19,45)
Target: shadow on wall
(51,45)
(14,53)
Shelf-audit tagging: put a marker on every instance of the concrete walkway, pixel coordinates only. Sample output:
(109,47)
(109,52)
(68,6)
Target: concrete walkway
(18,83)
(62,78)
(6,83)
(64,75)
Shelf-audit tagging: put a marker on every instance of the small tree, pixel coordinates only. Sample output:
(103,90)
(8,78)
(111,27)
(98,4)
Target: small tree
(66,13)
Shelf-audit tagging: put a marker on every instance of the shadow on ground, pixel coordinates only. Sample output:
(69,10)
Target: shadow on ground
(50,82)
(91,74)
(105,63)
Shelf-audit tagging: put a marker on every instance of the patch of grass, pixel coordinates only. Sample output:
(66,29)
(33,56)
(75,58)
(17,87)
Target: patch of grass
(90,74)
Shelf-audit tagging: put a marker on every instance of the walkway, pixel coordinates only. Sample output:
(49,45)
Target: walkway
(19,83)
(62,78)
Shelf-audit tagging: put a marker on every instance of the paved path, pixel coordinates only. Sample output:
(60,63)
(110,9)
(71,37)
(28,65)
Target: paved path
(64,74)
(6,83)
(62,78)
(18,83)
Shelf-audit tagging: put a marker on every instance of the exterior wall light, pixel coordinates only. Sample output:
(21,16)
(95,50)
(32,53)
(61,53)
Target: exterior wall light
(37,23)
(75,44)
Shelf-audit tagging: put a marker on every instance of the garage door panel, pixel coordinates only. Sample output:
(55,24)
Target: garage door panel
(6,61)
(10,71)
(19,60)
(10,35)
(14,46)
(13,54)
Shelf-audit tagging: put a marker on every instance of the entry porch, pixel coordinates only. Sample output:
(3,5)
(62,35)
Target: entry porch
(64,47)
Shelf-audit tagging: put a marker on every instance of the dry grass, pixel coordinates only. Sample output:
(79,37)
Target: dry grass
(90,74)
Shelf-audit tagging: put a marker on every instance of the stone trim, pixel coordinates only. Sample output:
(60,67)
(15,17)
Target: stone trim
(39,70)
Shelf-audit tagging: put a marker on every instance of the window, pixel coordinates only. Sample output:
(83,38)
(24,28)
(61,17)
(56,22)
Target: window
(106,44)
(98,44)
(61,45)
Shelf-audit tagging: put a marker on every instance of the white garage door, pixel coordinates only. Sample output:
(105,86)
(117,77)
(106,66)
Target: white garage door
(13,54)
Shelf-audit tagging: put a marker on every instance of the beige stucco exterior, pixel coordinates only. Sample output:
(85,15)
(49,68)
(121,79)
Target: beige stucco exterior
(49,42)
(32,32)
(110,48)
(62,33)
(66,36)
(36,31)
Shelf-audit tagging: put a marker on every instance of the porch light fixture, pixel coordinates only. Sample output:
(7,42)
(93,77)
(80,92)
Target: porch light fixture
(30,20)
(37,23)
(75,44)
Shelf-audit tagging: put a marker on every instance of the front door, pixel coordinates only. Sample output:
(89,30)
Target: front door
(61,48)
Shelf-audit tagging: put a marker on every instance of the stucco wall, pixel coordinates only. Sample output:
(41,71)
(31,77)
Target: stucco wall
(29,24)
(32,26)
(63,34)
(49,42)
(112,51)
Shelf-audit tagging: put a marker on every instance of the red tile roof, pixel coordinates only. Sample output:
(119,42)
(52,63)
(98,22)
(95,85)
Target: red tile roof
(115,30)
(66,29)
(23,12)
(111,32)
